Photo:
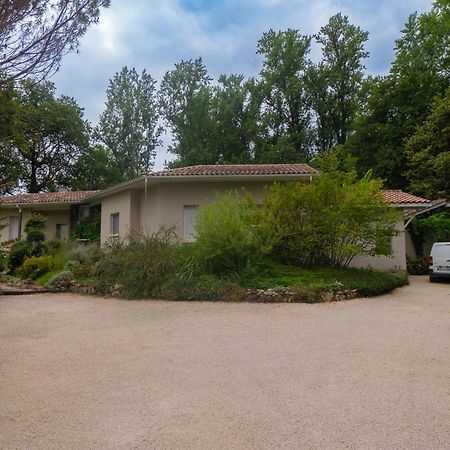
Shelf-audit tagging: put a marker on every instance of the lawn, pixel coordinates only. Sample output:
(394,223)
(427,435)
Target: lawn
(368,282)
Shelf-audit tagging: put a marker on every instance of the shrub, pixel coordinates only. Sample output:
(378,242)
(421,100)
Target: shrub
(35,266)
(60,281)
(418,266)
(88,229)
(85,253)
(54,246)
(19,251)
(140,267)
(34,228)
(3,260)
(229,235)
(329,221)
(83,271)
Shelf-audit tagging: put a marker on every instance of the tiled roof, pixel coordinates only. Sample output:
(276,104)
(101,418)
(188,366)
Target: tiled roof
(397,196)
(238,169)
(46,197)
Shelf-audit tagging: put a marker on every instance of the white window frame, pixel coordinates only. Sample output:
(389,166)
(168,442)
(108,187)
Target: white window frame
(59,235)
(189,218)
(13,231)
(113,225)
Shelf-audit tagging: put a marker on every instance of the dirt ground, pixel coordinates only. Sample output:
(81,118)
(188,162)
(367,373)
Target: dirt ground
(88,373)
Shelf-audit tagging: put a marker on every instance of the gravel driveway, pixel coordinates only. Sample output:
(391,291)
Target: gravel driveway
(88,373)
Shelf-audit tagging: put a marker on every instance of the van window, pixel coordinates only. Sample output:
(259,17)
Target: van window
(441,250)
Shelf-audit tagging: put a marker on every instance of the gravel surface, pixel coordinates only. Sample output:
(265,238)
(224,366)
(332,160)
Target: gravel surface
(88,373)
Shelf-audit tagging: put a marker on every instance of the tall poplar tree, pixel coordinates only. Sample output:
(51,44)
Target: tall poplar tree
(129,127)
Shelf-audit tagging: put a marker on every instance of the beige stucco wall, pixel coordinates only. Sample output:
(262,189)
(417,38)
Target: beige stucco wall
(52,218)
(410,250)
(395,262)
(127,204)
(143,213)
(163,205)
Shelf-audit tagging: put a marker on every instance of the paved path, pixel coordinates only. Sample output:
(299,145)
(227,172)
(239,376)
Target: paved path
(87,373)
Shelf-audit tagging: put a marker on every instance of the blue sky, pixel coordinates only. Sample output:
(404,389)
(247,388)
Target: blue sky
(154,34)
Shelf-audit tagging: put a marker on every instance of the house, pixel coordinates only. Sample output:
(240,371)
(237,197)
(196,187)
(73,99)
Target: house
(172,198)
(62,210)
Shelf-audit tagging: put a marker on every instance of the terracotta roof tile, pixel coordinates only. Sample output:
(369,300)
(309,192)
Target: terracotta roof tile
(397,196)
(238,169)
(46,197)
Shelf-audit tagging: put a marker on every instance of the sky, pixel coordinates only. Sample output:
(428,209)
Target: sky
(154,34)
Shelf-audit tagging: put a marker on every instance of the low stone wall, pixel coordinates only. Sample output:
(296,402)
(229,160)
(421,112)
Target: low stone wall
(287,296)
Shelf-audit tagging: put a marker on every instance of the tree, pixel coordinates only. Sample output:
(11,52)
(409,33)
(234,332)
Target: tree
(186,105)
(129,125)
(234,113)
(330,221)
(49,135)
(428,153)
(95,170)
(35,34)
(335,83)
(285,115)
(400,102)
(9,168)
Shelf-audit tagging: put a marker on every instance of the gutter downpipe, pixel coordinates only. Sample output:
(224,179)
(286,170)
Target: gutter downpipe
(145,203)
(20,221)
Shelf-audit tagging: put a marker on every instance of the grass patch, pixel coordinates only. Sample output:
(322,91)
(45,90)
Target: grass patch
(368,282)
(42,281)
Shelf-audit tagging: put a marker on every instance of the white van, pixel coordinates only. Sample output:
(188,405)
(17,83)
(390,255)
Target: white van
(440,261)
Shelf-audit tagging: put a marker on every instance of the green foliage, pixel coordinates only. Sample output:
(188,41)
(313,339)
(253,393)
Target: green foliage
(186,104)
(87,229)
(35,222)
(428,153)
(229,235)
(307,284)
(3,260)
(34,228)
(85,253)
(329,221)
(201,287)
(427,230)
(63,277)
(83,271)
(129,125)
(19,251)
(334,84)
(400,102)
(48,136)
(34,267)
(95,169)
(285,115)
(140,267)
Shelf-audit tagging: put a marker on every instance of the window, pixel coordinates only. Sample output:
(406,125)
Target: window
(189,217)
(62,231)
(114,225)
(13,227)
(84,212)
